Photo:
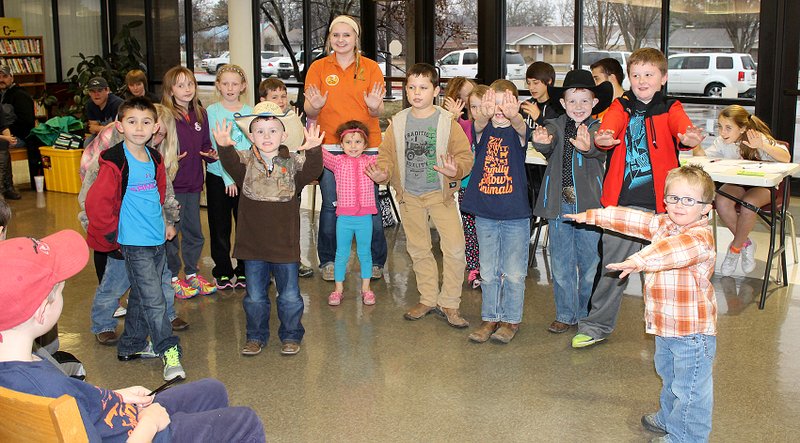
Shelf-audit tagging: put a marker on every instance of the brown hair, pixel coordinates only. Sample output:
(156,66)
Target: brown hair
(171,79)
(544,72)
(694,176)
(138,103)
(503,85)
(455,85)
(353,124)
(424,70)
(610,66)
(136,76)
(270,84)
(648,55)
(743,119)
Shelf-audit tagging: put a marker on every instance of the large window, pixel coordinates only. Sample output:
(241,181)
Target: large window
(456,38)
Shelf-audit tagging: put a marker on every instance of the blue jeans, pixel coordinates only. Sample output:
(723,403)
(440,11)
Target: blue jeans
(113,286)
(504,266)
(574,256)
(257,305)
(326,240)
(687,394)
(346,227)
(147,310)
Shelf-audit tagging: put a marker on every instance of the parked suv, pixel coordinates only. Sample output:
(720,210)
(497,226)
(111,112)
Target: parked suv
(464,63)
(707,73)
(285,69)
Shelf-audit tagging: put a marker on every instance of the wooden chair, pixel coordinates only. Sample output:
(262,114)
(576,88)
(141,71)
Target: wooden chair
(30,418)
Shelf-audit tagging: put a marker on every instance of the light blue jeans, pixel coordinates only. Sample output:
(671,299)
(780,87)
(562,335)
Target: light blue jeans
(346,227)
(574,257)
(504,266)
(687,394)
(113,286)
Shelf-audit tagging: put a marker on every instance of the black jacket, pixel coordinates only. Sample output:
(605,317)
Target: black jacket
(23,108)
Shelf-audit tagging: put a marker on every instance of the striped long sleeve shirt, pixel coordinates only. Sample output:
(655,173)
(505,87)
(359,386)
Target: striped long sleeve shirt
(679,298)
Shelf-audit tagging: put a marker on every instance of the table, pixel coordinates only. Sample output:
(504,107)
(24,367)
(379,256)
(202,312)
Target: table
(753,173)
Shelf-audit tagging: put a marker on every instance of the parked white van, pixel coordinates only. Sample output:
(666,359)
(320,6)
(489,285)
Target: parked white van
(464,63)
(707,73)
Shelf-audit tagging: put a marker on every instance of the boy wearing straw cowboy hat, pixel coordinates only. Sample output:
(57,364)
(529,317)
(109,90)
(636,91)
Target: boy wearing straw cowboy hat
(268,229)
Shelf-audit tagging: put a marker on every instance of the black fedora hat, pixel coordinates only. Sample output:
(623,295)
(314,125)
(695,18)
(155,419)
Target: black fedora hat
(581,78)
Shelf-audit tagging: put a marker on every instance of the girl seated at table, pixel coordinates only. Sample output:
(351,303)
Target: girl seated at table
(742,136)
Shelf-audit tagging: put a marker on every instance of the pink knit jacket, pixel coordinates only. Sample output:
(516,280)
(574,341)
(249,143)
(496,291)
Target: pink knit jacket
(355,192)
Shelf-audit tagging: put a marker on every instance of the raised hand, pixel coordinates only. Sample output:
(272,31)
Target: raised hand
(753,139)
(605,138)
(541,135)
(582,141)
(488,105)
(626,267)
(447,166)
(222,134)
(314,97)
(692,137)
(455,106)
(375,96)
(510,105)
(579,217)
(375,173)
(531,108)
(313,138)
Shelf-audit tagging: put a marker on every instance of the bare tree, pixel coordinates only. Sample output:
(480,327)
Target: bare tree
(635,22)
(742,27)
(600,20)
(528,13)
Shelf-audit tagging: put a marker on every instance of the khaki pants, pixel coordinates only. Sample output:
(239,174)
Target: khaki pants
(415,211)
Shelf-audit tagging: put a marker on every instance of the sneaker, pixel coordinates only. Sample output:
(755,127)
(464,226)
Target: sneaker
(305,271)
(120,312)
(223,283)
(201,284)
(748,257)
(377,273)
(107,338)
(290,348)
(172,364)
(335,299)
(252,347)
(327,272)
(474,279)
(241,282)
(649,422)
(368,297)
(583,340)
(729,263)
(147,352)
(183,290)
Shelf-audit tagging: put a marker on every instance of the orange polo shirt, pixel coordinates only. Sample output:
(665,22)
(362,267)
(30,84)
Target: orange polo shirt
(346,91)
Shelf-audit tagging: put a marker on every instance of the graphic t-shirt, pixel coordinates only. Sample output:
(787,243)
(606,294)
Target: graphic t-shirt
(421,178)
(637,183)
(105,416)
(498,188)
(140,219)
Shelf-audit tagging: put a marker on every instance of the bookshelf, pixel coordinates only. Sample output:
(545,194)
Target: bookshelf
(25,57)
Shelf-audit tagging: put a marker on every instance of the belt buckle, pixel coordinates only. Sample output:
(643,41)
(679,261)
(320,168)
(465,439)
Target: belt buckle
(568,193)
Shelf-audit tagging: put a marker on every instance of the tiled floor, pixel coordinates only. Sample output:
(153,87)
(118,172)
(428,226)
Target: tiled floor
(366,374)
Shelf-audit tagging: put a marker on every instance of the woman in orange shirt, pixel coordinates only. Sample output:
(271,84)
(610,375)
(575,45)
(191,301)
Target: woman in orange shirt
(340,87)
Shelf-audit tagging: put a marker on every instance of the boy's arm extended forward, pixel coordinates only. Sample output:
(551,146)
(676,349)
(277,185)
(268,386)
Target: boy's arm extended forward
(675,252)
(626,221)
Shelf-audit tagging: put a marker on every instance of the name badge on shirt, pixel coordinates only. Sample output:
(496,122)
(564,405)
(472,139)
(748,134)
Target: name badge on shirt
(332,80)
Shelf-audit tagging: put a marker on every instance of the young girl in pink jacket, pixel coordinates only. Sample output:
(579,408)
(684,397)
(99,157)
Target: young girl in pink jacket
(355,205)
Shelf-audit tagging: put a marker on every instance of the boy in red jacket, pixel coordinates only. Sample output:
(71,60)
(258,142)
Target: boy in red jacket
(639,130)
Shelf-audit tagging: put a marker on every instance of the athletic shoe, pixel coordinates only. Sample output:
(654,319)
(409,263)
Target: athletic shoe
(201,284)
(368,297)
(583,340)
(335,299)
(172,364)
(305,271)
(252,347)
(120,312)
(223,283)
(474,279)
(290,348)
(241,282)
(327,272)
(183,290)
(729,263)
(377,273)
(748,257)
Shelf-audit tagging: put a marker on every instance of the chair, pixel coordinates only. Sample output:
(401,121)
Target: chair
(30,418)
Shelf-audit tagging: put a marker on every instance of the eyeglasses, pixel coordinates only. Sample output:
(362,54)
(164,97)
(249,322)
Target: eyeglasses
(685,201)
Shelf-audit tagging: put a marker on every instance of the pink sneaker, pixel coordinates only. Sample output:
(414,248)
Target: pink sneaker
(368,297)
(202,285)
(335,298)
(183,290)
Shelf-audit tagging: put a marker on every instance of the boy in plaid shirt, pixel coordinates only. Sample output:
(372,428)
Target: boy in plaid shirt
(680,308)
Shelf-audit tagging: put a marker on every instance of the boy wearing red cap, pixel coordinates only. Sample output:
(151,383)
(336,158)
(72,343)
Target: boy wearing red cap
(33,274)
